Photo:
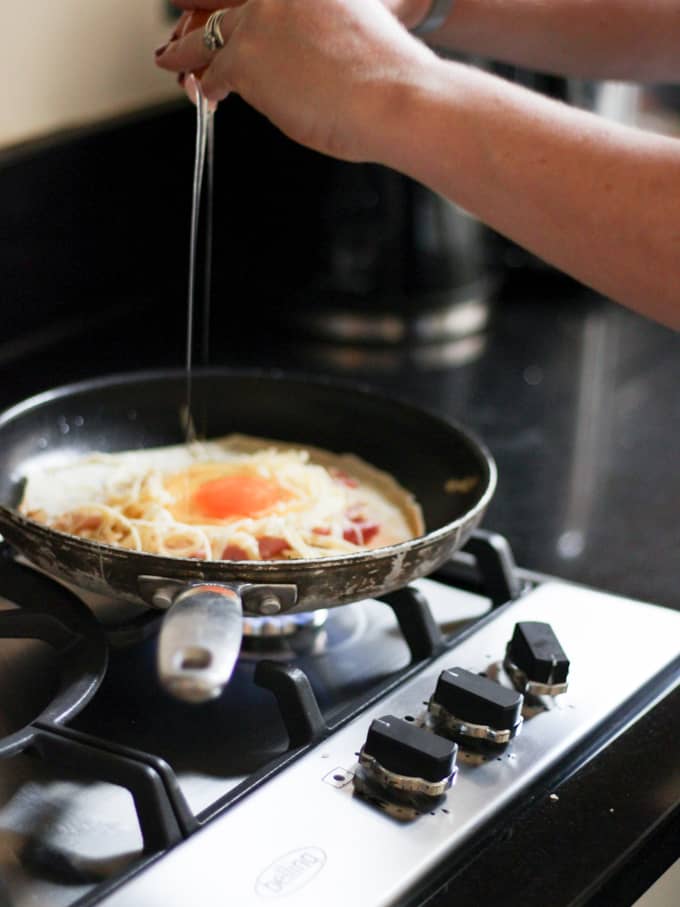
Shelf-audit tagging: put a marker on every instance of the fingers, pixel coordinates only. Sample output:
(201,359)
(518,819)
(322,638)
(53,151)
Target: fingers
(214,84)
(189,53)
(192,84)
(214,81)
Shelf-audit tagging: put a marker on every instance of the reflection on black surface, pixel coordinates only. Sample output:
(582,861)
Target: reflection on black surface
(46,860)
(347,360)
(593,388)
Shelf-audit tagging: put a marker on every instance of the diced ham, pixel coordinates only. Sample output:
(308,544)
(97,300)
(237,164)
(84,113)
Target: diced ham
(321,530)
(270,546)
(234,553)
(340,476)
(361,533)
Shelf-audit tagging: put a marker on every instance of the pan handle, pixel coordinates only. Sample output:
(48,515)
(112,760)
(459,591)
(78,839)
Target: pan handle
(200,641)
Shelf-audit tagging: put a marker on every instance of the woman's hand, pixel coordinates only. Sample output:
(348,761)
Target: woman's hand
(332,75)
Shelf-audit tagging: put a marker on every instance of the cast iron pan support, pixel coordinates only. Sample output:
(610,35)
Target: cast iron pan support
(77,638)
(297,703)
(296,700)
(164,816)
(496,565)
(418,626)
(484,565)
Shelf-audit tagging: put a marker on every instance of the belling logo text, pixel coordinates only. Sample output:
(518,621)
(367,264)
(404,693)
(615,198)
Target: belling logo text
(290,872)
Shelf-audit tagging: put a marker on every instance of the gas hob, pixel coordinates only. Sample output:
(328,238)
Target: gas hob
(366,758)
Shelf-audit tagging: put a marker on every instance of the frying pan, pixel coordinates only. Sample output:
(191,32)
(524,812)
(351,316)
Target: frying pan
(204,602)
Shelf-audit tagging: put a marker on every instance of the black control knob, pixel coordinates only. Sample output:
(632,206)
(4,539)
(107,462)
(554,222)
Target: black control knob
(405,763)
(470,706)
(535,660)
(404,749)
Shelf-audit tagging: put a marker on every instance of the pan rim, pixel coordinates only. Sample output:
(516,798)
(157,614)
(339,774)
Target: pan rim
(304,564)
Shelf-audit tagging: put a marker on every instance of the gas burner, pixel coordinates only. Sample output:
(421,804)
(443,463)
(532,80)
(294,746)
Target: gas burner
(288,625)
(310,633)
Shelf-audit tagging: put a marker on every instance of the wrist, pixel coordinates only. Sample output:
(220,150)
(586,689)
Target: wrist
(410,116)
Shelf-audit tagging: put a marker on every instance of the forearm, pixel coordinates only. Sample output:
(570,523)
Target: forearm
(635,40)
(599,200)
(596,199)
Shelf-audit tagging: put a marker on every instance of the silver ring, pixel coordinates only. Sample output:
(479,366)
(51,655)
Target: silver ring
(212,36)
(436,16)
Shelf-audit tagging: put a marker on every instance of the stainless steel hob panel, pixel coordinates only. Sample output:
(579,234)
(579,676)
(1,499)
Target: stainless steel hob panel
(306,841)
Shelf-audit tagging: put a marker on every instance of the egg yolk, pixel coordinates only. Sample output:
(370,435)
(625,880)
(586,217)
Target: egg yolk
(237,495)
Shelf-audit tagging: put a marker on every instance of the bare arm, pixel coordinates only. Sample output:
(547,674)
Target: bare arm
(629,40)
(599,200)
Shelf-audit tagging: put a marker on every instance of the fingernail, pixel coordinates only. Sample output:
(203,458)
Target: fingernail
(159,50)
(181,77)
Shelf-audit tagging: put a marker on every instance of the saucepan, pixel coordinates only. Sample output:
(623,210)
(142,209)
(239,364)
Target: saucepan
(449,471)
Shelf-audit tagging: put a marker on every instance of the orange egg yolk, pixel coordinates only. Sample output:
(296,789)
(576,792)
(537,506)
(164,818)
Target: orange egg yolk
(237,495)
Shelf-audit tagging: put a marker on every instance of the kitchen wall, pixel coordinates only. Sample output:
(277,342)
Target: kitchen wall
(97,218)
(72,62)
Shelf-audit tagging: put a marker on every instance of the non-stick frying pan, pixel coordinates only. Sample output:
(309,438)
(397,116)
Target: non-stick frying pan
(204,601)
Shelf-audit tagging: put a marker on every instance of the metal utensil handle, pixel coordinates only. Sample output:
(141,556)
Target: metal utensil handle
(199,642)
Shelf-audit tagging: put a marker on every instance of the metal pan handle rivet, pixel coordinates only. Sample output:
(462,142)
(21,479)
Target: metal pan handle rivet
(269,604)
(162,599)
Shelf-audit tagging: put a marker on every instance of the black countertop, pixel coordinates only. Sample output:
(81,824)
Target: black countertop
(576,398)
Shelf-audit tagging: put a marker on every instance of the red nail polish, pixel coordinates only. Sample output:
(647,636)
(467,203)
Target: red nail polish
(181,77)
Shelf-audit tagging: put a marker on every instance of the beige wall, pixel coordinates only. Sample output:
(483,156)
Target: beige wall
(68,62)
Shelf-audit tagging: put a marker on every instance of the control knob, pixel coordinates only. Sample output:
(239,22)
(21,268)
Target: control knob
(535,660)
(405,763)
(469,706)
